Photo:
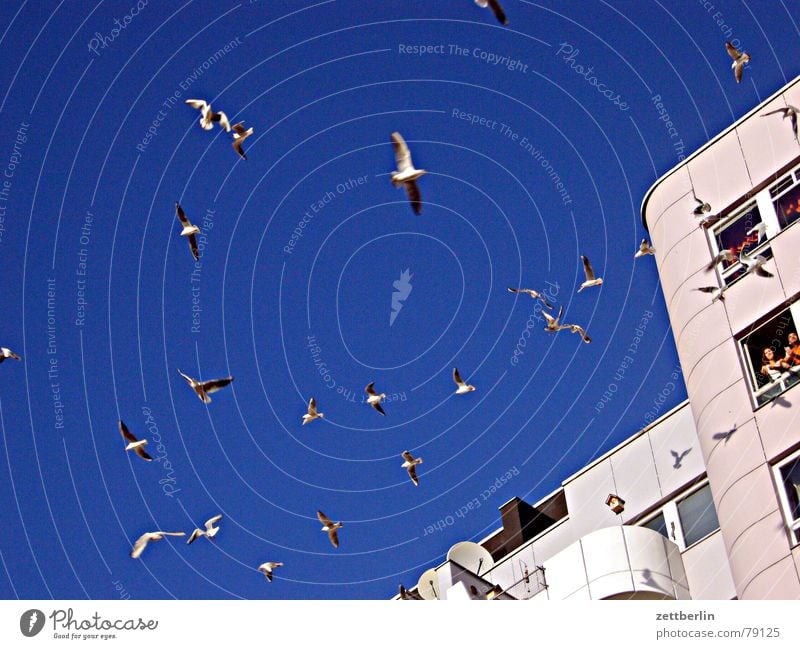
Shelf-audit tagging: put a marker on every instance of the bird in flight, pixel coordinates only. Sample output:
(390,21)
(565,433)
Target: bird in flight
(410,465)
(312,412)
(406,175)
(330,527)
(644,249)
(209,532)
(189,230)
(268,567)
(204,388)
(554,325)
(5,353)
(534,295)
(716,292)
(462,387)
(739,60)
(591,280)
(240,134)
(208,116)
(134,444)
(722,255)
(497,10)
(754,264)
(144,539)
(761,229)
(789,111)
(374,399)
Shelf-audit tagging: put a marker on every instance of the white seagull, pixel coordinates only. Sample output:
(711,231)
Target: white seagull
(761,229)
(330,527)
(268,567)
(716,292)
(312,412)
(410,465)
(497,10)
(134,444)
(189,230)
(722,255)
(554,325)
(739,60)
(204,388)
(5,353)
(144,539)
(374,399)
(463,388)
(791,112)
(208,116)
(534,294)
(754,264)
(591,280)
(644,249)
(240,134)
(406,175)
(209,532)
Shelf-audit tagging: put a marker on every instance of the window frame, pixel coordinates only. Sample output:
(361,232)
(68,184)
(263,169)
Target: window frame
(792,524)
(672,519)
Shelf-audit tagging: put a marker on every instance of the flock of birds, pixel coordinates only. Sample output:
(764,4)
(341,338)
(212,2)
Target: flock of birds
(406,176)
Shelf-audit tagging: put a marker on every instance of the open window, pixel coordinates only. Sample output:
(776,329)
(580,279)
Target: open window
(788,478)
(771,366)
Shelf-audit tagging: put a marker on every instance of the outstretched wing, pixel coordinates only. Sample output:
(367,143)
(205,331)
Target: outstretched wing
(414,196)
(587,269)
(498,12)
(216,384)
(401,153)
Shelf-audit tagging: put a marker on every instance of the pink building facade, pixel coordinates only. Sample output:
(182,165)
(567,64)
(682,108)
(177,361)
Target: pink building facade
(735,345)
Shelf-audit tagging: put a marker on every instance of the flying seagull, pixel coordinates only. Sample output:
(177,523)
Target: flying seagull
(240,134)
(497,10)
(679,457)
(5,353)
(716,292)
(754,264)
(330,527)
(134,444)
(189,230)
(204,388)
(312,412)
(208,116)
(209,532)
(374,399)
(723,255)
(268,567)
(554,325)
(534,294)
(739,59)
(791,112)
(644,249)
(406,175)
(410,465)
(463,388)
(701,208)
(591,280)
(144,539)
(761,229)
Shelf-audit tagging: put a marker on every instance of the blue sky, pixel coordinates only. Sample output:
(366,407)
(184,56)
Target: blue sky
(533,159)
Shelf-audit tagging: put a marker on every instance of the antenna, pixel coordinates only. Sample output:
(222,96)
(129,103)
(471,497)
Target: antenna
(428,585)
(471,556)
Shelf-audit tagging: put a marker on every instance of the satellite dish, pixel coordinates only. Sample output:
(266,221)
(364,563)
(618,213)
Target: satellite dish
(471,556)
(428,585)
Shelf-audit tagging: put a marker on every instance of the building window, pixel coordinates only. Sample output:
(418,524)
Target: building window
(687,519)
(773,209)
(772,366)
(697,516)
(788,476)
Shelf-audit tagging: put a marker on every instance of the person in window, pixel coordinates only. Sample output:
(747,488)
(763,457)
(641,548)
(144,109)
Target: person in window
(772,367)
(793,350)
